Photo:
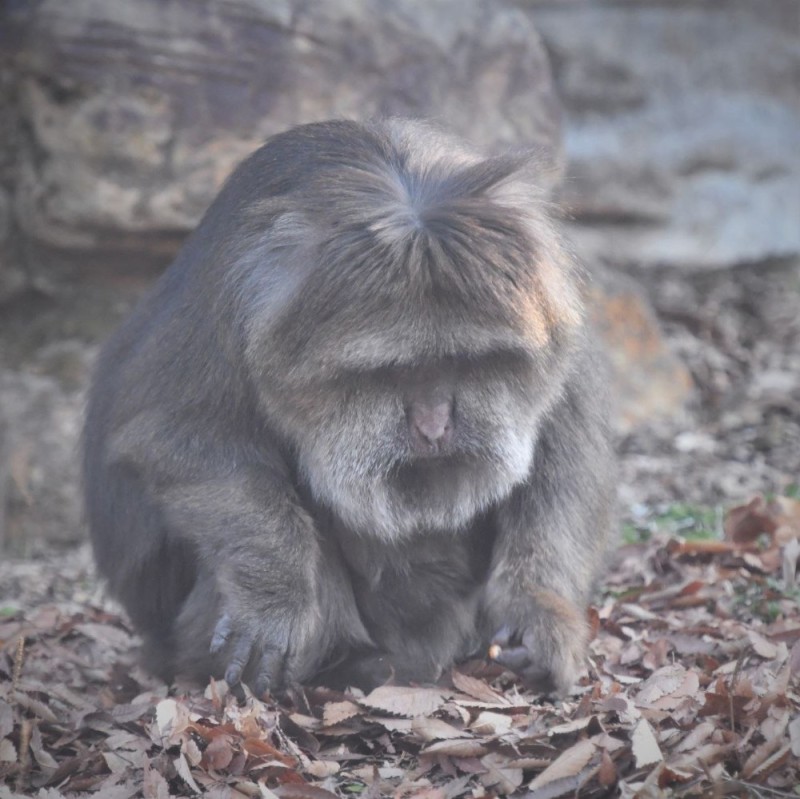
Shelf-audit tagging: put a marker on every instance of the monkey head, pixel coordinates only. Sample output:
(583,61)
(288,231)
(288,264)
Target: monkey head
(410,314)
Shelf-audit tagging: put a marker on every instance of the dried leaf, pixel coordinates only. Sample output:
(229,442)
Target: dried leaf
(322,769)
(336,712)
(772,762)
(791,556)
(456,748)
(570,726)
(258,747)
(6,719)
(607,775)
(183,769)
(761,646)
(697,736)
(219,753)
(192,752)
(43,757)
(302,791)
(171,719)
(392,723)
(786,511)
(115,763)
(743,524)
(154,786)
(794,658)
(773,742)
(8,752)
(568,764)
(436,730)
(645,745)
(499,773)
(402,701)
(488,723)
(477,689)
(794,735)
(36,707)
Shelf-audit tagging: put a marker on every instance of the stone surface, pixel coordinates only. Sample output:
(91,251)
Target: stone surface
(649,382)
(136,112)
(682,127)
(13,277)
(39,432)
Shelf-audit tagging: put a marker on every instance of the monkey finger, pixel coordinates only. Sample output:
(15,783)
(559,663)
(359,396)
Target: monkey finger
(222,634)
(238,693)
(242,648)
(269,672)
(516,658)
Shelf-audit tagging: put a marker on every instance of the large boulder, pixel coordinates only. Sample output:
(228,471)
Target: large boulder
(682,128)
(135,113)
(39,432)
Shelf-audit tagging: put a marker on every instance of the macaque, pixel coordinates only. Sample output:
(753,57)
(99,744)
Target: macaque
(358,430)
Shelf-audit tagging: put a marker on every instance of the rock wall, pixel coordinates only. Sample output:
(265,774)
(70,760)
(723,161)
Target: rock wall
(682,131)
(132,114)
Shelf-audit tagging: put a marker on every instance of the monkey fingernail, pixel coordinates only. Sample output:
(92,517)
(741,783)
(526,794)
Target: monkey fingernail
(233,675)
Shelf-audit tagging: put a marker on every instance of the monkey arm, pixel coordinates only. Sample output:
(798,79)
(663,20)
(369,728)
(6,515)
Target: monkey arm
(268,599)
(285,601)
(552,535)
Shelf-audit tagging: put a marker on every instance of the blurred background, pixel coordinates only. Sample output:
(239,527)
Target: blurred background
(672,126)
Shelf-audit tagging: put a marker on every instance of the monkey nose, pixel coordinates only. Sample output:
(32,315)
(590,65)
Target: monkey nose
(431,426)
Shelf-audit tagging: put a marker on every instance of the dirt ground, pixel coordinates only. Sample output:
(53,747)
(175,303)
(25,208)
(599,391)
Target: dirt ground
(738,331)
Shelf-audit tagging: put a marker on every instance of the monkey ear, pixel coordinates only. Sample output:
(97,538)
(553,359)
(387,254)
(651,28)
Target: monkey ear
(539,168)
(479,178)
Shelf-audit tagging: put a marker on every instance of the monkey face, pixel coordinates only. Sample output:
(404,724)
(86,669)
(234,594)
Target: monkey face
(424,446)
(412,407)
(407,327)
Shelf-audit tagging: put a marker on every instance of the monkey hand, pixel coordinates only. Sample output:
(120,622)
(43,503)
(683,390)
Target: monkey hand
(543,639)
(262,649)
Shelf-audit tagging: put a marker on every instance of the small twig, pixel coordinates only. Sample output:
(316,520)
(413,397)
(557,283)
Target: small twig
(19,658)
(732,686)
(25,731)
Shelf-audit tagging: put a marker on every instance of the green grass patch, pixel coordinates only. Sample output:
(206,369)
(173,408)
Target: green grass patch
(680,518)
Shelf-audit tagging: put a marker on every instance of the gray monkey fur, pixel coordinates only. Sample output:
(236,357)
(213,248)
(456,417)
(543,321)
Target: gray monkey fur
(358,428)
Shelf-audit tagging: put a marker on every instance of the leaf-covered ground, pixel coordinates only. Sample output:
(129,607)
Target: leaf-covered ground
(693,682)
(692,689)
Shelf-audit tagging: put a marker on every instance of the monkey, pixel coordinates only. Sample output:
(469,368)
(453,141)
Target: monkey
(359,429)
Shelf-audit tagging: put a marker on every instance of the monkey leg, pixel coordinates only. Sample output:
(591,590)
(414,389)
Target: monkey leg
(552,534)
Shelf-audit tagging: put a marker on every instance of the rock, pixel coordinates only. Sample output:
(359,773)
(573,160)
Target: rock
(682,128)
(650,383)
(13,277)
(39,474)
(136,113)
